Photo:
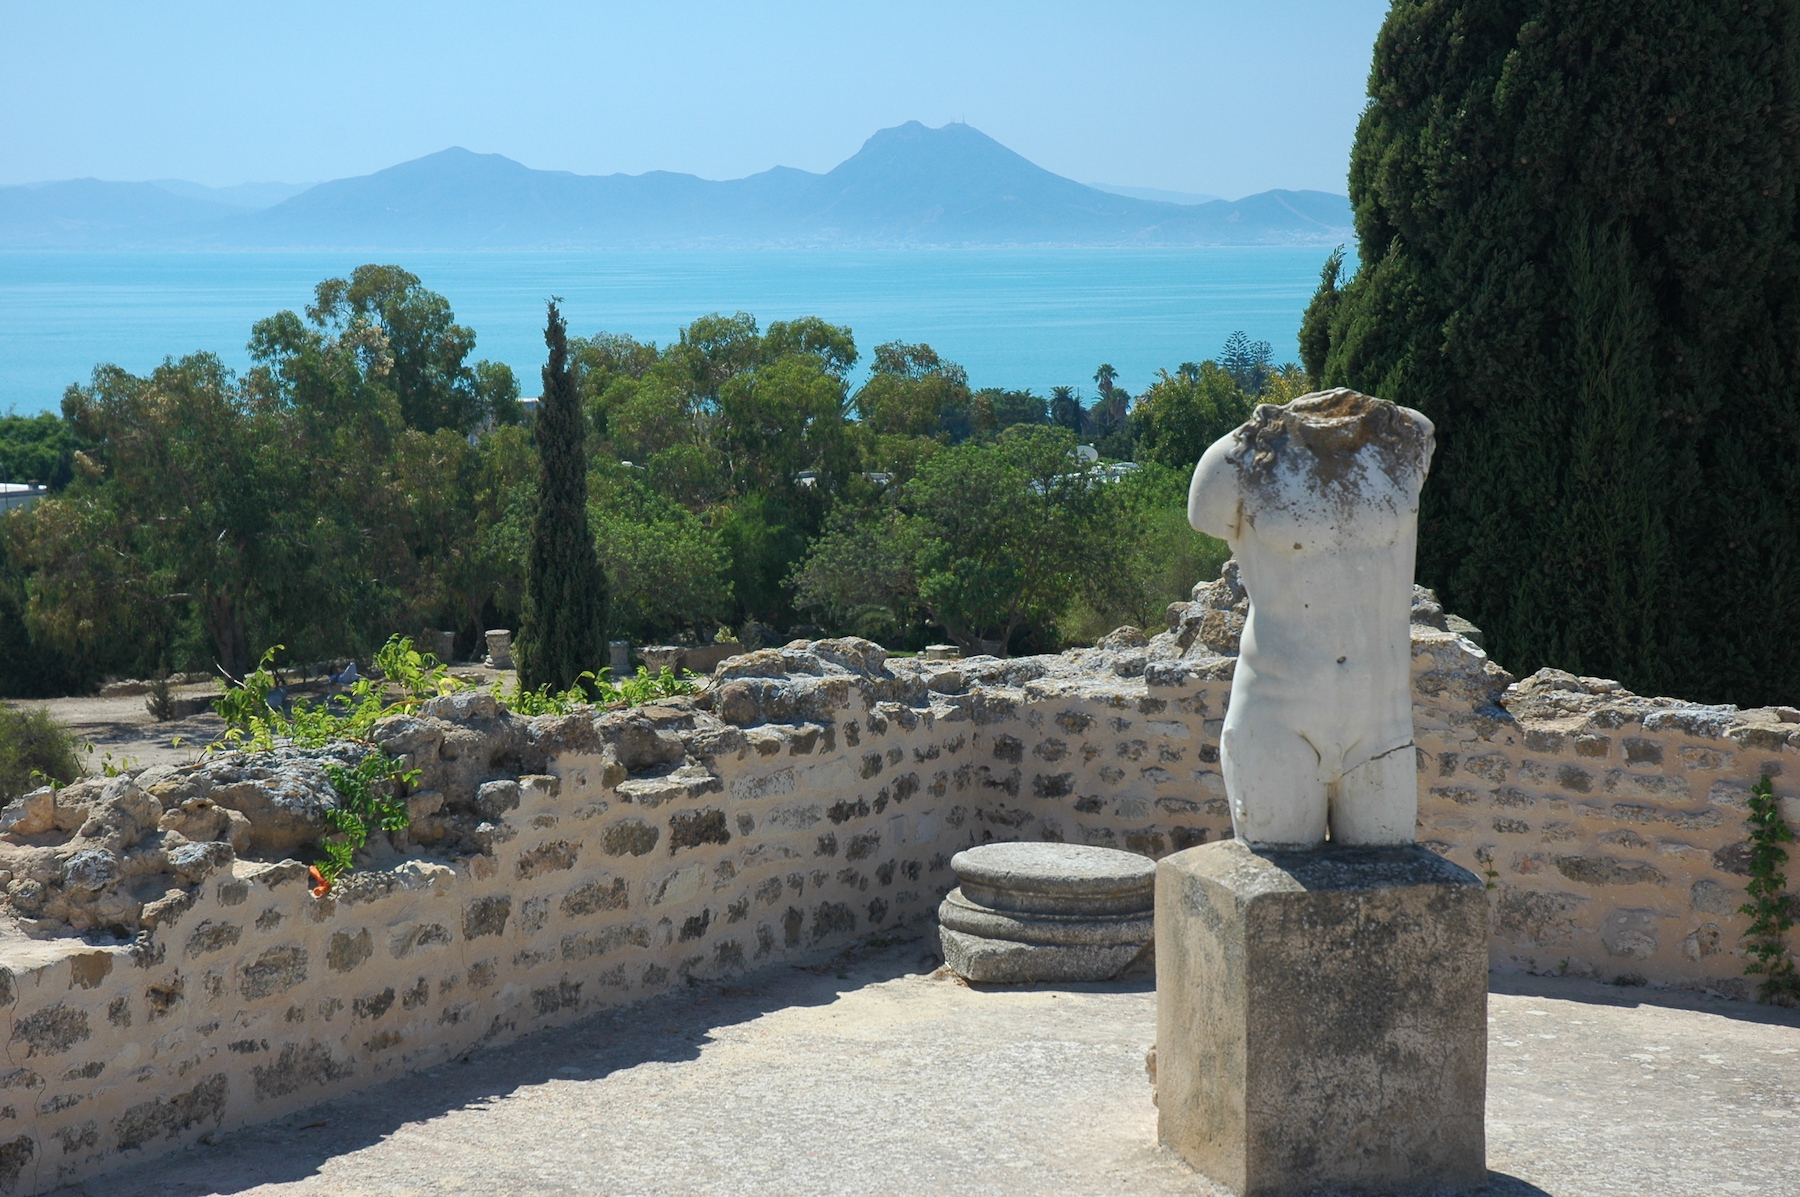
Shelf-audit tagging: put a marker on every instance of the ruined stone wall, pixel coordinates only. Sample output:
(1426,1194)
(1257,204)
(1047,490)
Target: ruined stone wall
(171,974)
(813,794)
(1611,827)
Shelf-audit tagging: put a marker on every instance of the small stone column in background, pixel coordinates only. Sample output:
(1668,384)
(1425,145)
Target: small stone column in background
(621,659)
(658,657)
(499,649)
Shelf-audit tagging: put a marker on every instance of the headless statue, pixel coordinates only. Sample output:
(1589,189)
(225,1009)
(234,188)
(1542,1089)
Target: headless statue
(1320,501)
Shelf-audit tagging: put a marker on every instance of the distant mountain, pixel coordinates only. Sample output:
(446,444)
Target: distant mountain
(907,186)
(1156,193)
(89,213)
(241,195)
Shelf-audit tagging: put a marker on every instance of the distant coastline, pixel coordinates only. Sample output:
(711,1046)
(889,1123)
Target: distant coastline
(909,187)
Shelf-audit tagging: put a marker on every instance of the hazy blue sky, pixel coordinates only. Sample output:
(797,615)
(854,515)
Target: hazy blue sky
(1222,97)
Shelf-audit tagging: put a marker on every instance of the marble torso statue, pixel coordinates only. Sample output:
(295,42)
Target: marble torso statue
(1320,502)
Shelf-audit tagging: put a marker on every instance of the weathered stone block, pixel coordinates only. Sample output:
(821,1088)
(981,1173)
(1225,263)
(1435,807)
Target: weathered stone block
(1322,1019)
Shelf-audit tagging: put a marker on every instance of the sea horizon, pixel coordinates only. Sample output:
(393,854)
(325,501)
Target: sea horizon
(1027,318)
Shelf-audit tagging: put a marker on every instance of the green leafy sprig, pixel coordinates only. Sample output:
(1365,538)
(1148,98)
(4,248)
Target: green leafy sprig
(370,800)
(1771,908)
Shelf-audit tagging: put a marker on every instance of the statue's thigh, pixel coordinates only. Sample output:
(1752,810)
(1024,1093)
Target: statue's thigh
(1378,801)
(1272,779)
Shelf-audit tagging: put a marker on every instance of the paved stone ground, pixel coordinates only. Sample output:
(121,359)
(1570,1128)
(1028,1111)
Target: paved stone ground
(864,1076)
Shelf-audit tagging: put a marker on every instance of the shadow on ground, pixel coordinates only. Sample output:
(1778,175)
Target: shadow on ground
(670,1029)
(1628,997)
(870,1072)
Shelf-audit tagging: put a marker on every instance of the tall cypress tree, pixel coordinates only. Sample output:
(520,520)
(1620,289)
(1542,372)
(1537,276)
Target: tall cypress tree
(563,629)
(1580,257)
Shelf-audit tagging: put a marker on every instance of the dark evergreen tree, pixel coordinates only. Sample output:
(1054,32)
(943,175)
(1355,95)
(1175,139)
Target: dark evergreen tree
(1248,362)
(1066,410)
(1315,325)
(1580,258)
(562,630)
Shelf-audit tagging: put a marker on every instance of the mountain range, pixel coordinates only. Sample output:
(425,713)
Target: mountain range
(908,186)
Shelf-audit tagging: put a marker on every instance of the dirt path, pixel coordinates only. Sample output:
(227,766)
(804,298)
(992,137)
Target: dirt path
(123,728)
(123,732)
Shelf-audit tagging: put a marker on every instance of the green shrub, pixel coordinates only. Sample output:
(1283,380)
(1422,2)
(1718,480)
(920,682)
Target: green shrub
(35,749)
(1157,560)
(250,722)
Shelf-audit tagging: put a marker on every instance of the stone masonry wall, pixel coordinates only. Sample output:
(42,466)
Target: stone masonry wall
(812,795)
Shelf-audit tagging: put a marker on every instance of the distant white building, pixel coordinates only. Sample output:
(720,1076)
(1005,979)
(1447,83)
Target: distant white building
(16,496)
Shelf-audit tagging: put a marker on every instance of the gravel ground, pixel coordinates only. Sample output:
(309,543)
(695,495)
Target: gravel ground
(868,1075)
(123,728)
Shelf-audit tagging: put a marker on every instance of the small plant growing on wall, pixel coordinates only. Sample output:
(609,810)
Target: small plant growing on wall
(370,801)
(255,719)
(1771,909)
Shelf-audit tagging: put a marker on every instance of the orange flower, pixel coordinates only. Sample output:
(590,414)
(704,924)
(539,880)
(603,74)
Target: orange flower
(320,886)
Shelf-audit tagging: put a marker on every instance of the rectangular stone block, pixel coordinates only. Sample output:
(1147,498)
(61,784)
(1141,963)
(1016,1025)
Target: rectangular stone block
(1322,1019)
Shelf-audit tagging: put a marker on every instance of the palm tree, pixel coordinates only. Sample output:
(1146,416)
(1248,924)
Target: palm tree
(1065,408)
(1109,412)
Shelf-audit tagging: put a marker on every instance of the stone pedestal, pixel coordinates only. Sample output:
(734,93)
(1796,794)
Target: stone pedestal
(658,657)
(1322,1019)
(620,659)
(499,649)
(440,644)
(1047,912)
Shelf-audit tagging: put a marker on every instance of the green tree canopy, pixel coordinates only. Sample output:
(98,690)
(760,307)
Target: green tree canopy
(1158,556)
(38,448)
(266,515)
(666,567)
(832,344)
(1579,257)
(987,537)
(998,408)
(912,391)
(427,350)
(1181,414)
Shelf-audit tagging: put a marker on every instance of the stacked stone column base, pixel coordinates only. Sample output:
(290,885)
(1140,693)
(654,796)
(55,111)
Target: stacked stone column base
(1047,912)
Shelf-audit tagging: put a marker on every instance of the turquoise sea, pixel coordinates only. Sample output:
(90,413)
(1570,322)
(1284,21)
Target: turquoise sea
(1013,318)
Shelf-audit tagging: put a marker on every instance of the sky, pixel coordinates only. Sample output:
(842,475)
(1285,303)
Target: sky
(1225,97)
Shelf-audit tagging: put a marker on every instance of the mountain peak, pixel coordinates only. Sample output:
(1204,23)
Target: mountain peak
(456,158)
(907,185)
